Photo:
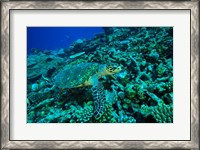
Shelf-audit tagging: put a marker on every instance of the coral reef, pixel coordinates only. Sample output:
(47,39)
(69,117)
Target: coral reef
(141,93)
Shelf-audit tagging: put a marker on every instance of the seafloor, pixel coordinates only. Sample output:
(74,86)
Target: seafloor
(142,92)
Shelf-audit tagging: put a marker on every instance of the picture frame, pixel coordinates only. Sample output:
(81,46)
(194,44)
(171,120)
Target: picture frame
(6,83)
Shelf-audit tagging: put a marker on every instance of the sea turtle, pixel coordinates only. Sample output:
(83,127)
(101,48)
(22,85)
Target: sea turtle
(87,74)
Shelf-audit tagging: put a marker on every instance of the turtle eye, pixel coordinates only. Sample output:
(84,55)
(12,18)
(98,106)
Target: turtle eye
(119,68)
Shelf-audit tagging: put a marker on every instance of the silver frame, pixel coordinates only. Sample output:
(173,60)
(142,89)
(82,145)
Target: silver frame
(193,6)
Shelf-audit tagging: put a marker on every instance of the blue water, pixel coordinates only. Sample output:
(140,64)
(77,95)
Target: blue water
(55,38)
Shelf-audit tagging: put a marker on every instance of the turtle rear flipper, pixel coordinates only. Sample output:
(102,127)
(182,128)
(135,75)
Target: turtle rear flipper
(99,99)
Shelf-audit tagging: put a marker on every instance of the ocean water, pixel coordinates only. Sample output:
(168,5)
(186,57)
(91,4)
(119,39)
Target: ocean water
(99,75)
(55,38)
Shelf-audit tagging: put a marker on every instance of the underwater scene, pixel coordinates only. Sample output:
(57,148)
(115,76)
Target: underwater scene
(99,75)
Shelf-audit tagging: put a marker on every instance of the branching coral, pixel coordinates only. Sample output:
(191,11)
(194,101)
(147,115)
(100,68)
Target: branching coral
(82,115)
(163,113)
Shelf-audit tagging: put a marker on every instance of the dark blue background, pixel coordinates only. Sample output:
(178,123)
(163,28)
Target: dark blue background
(54,38)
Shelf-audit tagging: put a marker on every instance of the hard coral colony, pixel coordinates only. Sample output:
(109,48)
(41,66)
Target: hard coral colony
(123,75)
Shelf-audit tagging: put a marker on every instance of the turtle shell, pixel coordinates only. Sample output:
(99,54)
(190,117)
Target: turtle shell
(76,75)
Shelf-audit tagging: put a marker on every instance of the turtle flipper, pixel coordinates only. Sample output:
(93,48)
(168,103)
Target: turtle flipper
(99,98)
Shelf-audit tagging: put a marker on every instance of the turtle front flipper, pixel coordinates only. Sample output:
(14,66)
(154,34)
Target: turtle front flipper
(99,98)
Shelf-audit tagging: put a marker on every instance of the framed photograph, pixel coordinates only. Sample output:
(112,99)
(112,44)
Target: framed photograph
(99,74)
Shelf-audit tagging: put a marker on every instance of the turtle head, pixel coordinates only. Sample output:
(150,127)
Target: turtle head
(112,69)
(109,69)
